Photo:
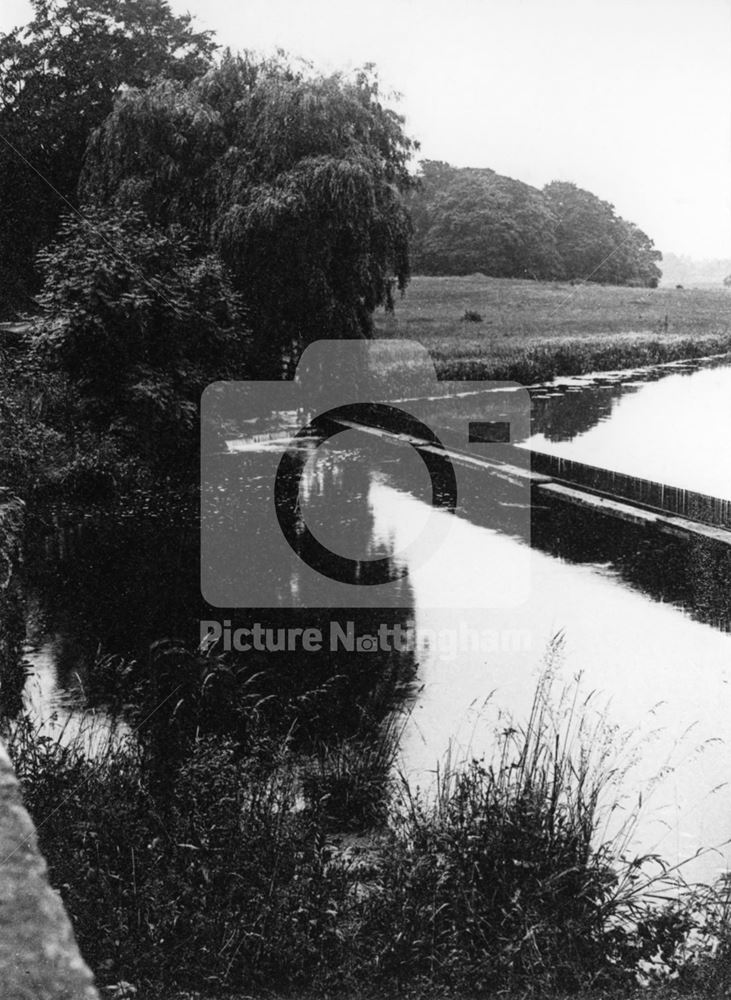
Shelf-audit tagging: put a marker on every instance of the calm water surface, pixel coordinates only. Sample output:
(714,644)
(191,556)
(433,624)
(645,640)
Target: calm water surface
(644,620)
(673,429)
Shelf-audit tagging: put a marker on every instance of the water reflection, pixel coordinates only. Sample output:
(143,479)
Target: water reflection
(104,586)
(330,502)
(665,678)
(645,616)
(59,712)
(693,574)
(673,430)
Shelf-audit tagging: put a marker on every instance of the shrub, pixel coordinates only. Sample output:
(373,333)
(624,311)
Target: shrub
(138,325)
(350,784)
(28,394)
(471,316)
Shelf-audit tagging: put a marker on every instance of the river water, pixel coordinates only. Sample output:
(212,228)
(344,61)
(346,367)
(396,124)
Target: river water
(672,428)
(641,619)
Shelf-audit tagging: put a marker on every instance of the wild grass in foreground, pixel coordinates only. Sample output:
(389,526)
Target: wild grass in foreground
(534,331)
(227,875)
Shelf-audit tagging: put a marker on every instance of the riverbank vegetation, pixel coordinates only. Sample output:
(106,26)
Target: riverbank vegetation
(223,868)
(216,214)
(61,74)
(91,422)
(261,207)
(477,327)
(169,218)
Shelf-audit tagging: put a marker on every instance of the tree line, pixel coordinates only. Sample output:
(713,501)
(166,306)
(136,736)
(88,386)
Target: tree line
(173,215)
(474,220)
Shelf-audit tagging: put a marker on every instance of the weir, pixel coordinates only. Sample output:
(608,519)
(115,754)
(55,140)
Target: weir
(667,508)
(647,494)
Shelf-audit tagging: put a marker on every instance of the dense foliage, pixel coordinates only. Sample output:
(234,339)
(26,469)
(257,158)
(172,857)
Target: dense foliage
(295,178)
(226,875)
(474,220)
(59,76)
(596,244)
(137,324)
(204,191)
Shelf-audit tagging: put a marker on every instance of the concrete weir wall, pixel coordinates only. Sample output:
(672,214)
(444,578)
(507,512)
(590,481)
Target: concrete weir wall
(671,499)
(39,959)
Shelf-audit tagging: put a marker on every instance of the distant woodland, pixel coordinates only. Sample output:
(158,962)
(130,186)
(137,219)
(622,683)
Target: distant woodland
(469,220)
(678,269)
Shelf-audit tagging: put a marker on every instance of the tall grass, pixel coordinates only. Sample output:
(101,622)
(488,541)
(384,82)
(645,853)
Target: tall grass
(216,881)
(541,362)
(497,880)
(229,875)
(351,782)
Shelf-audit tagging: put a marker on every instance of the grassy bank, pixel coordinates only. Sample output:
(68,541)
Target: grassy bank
(223,870)
(531,331)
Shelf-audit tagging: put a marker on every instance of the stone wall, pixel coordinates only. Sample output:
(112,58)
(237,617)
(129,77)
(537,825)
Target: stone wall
(39,959)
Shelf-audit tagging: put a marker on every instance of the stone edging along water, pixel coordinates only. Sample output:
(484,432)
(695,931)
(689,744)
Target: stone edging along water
(39,958)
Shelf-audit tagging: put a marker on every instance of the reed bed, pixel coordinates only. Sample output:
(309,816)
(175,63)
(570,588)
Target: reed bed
(239,870)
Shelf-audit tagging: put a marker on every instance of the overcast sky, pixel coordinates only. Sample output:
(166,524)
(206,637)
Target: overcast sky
(628,98)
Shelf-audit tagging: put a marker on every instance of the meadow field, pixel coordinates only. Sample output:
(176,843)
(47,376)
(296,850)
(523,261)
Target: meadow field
(480,327)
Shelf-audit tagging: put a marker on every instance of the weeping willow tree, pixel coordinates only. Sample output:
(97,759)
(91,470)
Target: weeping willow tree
(295,179)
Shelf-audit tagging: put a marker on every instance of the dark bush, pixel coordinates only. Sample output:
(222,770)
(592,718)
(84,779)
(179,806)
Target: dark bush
(471,316)
(137,324)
